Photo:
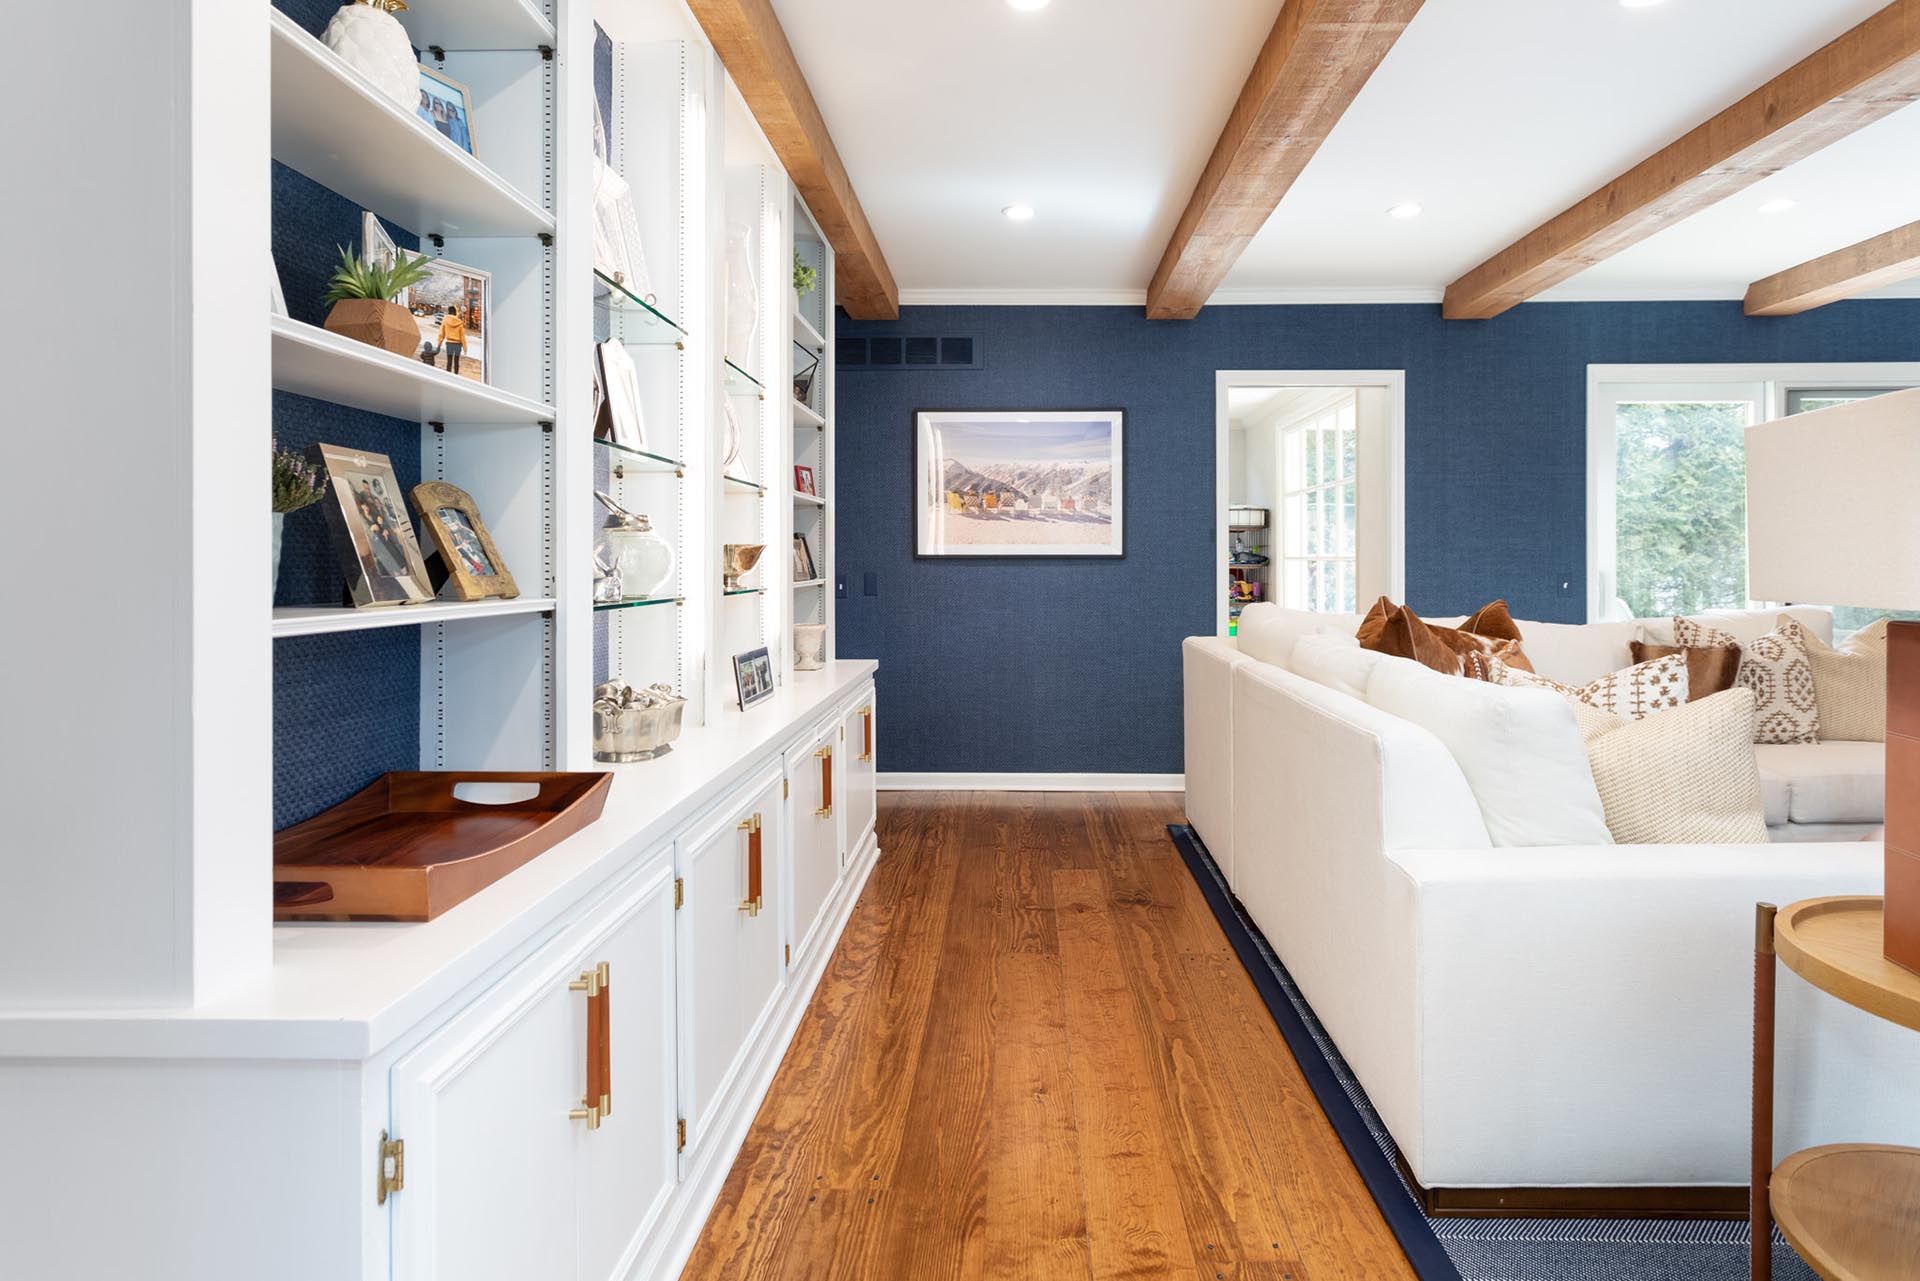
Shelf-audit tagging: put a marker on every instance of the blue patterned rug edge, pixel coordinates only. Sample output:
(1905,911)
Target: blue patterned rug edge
(1405,1220)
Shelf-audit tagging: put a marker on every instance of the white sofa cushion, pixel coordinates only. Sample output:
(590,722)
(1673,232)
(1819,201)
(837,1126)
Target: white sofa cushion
(1823,782)
(1268,632)
(1576,653)
(1338,662)
(1520,750)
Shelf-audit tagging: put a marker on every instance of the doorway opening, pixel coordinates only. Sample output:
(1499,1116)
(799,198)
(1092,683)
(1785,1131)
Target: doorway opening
(1310,492)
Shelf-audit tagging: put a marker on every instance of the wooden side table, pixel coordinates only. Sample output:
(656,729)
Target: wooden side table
(1852,1210)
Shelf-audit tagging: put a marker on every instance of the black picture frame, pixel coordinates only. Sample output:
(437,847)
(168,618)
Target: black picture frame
(1117,413)
(753,677)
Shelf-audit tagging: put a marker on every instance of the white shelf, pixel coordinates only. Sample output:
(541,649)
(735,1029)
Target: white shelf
(811,582)
(476,24)
(310,361)
(806,335)
(803,415)
(332,125)
(808,499)
(316,620)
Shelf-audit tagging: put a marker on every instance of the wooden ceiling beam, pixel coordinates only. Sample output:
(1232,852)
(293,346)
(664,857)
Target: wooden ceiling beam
(1886,259)
(1870,72)
(1314,62)
(751,43)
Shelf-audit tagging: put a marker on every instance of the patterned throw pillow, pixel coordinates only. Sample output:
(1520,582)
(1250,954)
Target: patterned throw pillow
(1635,692)
(1691,635)
(1777,670)
(1489,633)
(1850,684)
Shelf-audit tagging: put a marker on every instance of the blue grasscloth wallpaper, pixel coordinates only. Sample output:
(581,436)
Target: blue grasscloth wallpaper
(1074,666)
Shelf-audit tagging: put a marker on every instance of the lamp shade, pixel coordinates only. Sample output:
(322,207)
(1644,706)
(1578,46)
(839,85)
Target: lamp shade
(1833,505)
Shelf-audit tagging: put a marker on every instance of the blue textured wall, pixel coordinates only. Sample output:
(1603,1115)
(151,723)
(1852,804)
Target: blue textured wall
(1044,666)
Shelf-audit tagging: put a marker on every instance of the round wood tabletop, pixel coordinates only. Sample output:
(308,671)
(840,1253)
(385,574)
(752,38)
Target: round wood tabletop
(1835,944)
(1852,1210)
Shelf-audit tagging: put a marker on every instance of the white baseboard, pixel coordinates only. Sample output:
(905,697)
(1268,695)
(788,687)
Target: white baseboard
(1033,782)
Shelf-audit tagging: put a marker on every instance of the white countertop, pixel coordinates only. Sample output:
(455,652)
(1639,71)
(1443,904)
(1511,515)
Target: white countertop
(346,991)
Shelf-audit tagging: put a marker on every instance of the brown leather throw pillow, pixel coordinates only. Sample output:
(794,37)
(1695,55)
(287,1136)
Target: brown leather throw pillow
(1709,671)
(1488,633)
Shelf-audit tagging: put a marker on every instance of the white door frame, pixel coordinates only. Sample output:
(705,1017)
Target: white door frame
(1774,382)
(1394,383)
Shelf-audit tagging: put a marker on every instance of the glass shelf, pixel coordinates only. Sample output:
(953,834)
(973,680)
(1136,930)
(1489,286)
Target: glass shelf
(742,383)
(637,322)
(640,603)
(746,591)
(743,483)
(639,460)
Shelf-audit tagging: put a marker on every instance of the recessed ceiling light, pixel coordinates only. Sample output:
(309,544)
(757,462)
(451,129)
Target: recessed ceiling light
(1019,213)
(1639,4)
(1028,6)
(1405,209)
(1779,204)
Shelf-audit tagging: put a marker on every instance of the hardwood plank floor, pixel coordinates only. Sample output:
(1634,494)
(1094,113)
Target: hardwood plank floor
(1034,1055)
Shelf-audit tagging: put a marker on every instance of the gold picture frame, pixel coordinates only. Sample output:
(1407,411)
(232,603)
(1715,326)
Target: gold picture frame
(472,563)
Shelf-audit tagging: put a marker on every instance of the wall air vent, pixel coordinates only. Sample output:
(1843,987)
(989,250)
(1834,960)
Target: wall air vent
(869,355)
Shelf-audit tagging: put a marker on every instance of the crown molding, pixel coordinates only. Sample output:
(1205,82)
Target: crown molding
(1351,295)
(1023,297)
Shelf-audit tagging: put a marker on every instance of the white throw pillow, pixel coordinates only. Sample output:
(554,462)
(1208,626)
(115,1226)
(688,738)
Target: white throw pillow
(1520,750)
(1577,652)
(1686,777)
(1338,662)
(1268,632)
(1657,685)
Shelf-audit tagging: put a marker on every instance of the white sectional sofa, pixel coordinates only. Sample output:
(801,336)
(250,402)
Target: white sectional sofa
(1542,1017)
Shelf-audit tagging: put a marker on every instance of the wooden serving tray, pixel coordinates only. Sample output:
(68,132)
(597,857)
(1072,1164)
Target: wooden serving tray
(405,848)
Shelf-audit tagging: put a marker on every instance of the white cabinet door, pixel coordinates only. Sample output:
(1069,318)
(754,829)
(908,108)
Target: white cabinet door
(860,773)
(729,943)
(492,1158)
(816,861)
(630,1163)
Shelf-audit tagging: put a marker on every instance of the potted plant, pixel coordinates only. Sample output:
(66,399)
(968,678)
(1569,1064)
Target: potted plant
(363,294)
(297,483)
(804,278)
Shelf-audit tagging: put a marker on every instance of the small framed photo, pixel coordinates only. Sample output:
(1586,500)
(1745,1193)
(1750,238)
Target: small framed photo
(1027,482)
(367,516)
(452,306)
(446,105)
(803,481)
(803,570)
(377,247)
(473,565)
(753,676)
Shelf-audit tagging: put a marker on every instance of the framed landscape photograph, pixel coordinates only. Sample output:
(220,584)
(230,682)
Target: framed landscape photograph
(1018,482)
(473,564)
(367,516)
(452,307)
(753,676)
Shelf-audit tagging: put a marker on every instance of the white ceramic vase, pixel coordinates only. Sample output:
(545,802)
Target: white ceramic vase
(743,296)
(371,40)
(809,647)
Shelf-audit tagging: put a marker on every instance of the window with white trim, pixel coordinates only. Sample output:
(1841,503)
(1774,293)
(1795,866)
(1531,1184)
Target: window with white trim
(1319,507)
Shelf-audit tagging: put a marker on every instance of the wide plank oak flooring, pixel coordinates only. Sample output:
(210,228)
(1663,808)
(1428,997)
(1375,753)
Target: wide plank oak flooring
(1034,1055)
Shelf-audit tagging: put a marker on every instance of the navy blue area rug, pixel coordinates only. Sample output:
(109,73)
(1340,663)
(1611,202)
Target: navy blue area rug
(1467,1249)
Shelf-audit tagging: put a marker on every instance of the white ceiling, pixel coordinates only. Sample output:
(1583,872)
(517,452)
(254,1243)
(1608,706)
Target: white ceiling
(1492,114)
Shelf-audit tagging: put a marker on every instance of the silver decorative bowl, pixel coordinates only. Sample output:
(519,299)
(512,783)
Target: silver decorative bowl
(636,731)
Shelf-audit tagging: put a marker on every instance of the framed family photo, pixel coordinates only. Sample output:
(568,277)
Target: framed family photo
(446,105)
(1019,482)
(473,565)
(367,516)
(753,676)
(452,306)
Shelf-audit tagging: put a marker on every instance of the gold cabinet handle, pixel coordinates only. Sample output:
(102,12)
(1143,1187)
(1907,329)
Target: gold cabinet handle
(751,903)
(598,1100)
(866,745)
(826,782)
(604,972)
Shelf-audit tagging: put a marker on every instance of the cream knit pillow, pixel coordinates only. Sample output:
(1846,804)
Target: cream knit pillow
(1684,777)
(1850,684)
